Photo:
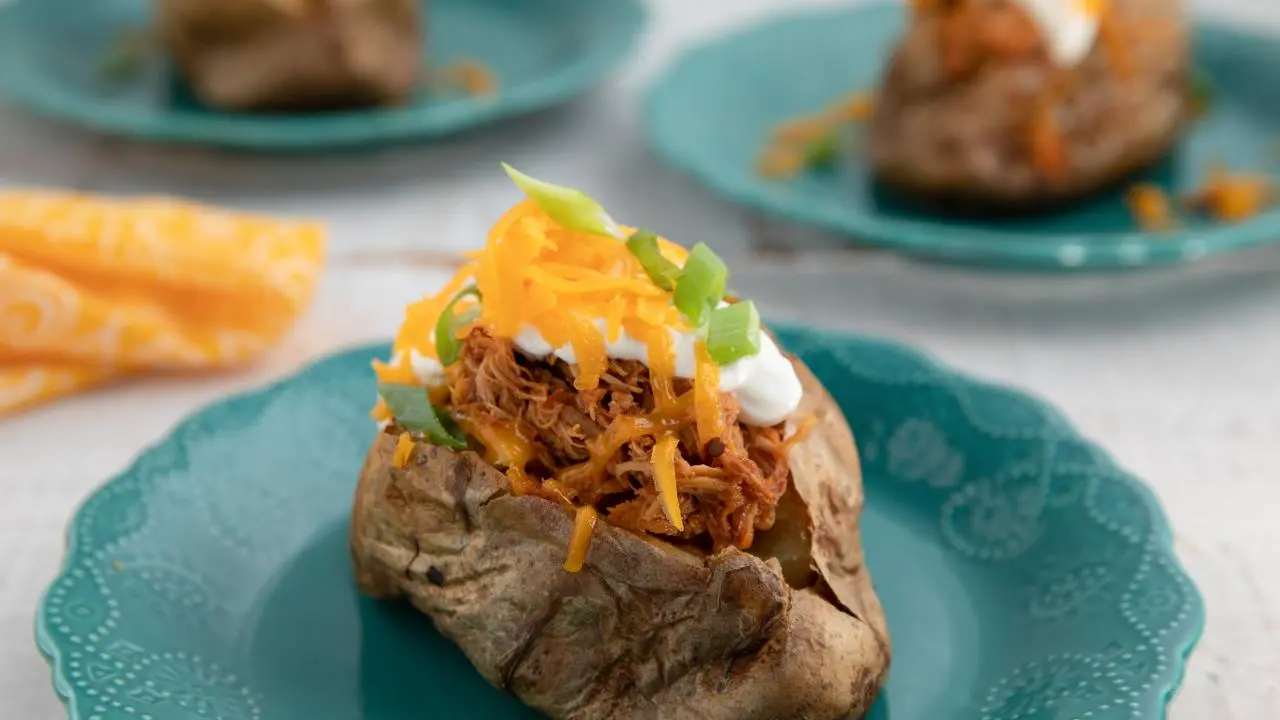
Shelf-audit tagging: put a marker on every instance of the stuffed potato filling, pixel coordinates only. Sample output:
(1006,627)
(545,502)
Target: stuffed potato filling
(602,368)
(597,447)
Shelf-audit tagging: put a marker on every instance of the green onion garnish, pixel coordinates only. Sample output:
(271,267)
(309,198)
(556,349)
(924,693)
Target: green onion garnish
(644,245)
(447,343)
(822,151)
(700,286)
(571,209)
(733,332)
(413,410)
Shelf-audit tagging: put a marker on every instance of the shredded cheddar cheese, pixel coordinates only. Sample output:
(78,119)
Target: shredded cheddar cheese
(1047,145)
(789,150)
(1150,206)
(404,451)
(806,426)
(470,76)
(664,474)
(706,395)
(504,448)
(380,412)
(563,495)
(584,523)
(1232,197)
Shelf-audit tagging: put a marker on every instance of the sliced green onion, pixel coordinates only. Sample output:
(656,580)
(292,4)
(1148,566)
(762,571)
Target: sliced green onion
(822,151)
(700,286)
(644,245)
(571,209)
(413,410)
(447,343)
(733,332)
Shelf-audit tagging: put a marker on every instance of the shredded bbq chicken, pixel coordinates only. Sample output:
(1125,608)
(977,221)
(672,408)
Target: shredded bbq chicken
(728,488)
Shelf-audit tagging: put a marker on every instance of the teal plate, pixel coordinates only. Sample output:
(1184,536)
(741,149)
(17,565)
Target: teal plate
(1025,576)
(542,51)
(711,111)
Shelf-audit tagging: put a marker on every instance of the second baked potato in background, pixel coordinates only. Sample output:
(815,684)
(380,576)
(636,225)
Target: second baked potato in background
(1000,104)
(295,54)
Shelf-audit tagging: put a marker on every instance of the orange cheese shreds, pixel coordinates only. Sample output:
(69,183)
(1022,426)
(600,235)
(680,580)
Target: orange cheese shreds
(1233,197)
(404,451)
(790,149)
(780,163)
(417,332)
(621,431)
(399,370)
(470,76)
(706,395)
(584,524)
(1113,37)
(1151,207)
(588,350)
(1047,145)
(662,360)
(858,107)
(802,129)
(562,493)
(380,412)
(503,448)
(614,312)
(806,426)
(664,476)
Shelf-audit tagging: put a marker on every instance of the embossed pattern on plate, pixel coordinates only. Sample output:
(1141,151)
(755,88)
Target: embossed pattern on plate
(1023,573)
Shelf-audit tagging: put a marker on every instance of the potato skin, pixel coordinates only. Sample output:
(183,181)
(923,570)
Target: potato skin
(253,55)
(645,630)
(962,144)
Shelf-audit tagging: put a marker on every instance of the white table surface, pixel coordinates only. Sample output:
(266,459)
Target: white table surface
(1176,372)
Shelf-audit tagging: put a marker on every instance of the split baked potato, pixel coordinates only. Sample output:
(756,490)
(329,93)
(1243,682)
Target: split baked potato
(974,112)
(790,630)
(295,55)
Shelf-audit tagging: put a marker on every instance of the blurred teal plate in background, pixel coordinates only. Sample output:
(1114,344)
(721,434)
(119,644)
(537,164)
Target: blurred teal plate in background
(1024,574)
(543,52)
(710,113)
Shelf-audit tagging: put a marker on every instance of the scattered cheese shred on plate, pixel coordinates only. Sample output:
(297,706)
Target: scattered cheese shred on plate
(1151,207)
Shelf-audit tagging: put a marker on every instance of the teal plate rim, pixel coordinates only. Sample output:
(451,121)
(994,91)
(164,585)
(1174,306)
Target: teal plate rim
(936,241)
(928,370)
(626,24)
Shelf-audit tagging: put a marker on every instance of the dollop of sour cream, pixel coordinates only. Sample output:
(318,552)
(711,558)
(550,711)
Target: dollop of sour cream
(765,384)
(1070,27)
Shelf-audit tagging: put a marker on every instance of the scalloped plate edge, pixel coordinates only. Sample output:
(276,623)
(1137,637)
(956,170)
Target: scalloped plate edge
(1070,254)
(349,129)
(1161,531)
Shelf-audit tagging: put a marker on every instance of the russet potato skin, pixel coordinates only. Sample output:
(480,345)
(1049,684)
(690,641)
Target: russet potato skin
(646,629)
(962,144)
(258,55)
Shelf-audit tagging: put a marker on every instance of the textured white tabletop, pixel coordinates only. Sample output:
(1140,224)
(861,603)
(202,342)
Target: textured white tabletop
(1177,373)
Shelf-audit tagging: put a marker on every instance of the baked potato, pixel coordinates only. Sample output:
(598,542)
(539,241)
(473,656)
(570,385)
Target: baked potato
(976,113)
(649,629)
(294,55)
(600,476)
